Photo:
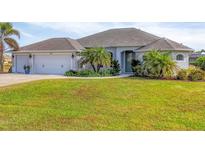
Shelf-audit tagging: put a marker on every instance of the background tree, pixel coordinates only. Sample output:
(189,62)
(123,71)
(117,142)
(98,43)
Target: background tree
(96,57)
(7,40)
(200,62)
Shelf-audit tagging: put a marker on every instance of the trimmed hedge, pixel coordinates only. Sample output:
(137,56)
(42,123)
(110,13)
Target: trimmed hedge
(89,73)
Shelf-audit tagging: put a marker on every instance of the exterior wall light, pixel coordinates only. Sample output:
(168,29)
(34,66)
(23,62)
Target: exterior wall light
(73,55)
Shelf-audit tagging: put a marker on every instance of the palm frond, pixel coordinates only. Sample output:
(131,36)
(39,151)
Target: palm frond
(12,43)
(11,32)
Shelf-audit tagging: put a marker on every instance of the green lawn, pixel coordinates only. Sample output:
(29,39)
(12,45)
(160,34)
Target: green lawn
(110,104)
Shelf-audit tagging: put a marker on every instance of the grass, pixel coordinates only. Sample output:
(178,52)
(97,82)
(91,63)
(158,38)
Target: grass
(110,104)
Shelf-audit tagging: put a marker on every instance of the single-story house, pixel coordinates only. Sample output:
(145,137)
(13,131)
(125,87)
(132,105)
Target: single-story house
(57,55)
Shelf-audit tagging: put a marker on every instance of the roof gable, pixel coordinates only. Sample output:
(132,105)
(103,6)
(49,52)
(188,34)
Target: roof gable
(165,44)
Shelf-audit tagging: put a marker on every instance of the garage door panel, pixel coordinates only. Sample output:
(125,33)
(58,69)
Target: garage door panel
(52,64)
(21,60)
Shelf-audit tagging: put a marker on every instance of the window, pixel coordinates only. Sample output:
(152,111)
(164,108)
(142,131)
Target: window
(180,57)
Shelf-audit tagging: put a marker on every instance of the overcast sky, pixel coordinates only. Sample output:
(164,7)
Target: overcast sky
(189,33)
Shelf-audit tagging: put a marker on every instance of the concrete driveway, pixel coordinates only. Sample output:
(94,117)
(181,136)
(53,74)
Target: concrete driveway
(10,79)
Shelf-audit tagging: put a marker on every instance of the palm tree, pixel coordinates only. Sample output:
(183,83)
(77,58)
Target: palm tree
(158,65)
(96,57)
(6,40)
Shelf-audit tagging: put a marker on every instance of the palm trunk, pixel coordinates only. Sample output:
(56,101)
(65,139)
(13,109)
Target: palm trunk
(93,67)
(98,68)
(1,57)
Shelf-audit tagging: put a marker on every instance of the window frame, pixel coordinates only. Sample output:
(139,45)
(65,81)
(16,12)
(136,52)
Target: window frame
(180,58)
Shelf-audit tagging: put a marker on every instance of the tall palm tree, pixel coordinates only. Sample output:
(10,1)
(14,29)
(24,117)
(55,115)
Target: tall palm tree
(96,57)
(6,40)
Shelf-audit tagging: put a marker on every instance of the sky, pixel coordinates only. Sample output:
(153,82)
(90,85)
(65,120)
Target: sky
(191,34)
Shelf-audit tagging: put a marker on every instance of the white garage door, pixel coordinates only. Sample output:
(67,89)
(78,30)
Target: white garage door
(21,60)
(52,64)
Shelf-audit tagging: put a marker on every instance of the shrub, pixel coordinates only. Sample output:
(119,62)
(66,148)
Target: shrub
(71,73)
(115,67)
(26,67)
(138,70)
(106,72)
(182,74)
(135,63)
(195,74)
(137,67)
(200,62)
(89,73)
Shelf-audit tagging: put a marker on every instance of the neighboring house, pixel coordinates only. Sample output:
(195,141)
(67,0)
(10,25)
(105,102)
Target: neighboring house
(195,55)
(7,59)
(57,55)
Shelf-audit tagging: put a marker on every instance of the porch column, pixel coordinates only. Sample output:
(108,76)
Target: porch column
(120,58)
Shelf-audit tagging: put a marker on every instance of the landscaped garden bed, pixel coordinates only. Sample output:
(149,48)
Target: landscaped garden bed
(100,61)
(90,73)
(159,65)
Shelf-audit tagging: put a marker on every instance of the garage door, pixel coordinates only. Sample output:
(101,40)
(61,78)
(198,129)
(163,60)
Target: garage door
(21,60)
(52,64)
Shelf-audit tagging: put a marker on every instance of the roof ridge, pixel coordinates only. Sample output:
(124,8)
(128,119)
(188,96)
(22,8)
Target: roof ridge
(153,42)
(69,42)
(74,43)
(142,32)
(109,30)
(167,40)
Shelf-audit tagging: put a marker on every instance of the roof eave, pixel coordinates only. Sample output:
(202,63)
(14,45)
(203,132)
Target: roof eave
(182,50)
(45,51)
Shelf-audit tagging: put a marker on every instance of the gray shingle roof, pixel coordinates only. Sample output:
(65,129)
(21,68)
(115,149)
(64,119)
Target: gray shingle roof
(54,44)
(166,45)
(118,37)
(110,38)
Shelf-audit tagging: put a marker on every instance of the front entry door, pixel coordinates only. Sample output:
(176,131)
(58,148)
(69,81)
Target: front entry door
(128,60)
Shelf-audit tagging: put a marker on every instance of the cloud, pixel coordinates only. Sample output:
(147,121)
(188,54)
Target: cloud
(186,33)
(26,34)
(79,29)
(192,37)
